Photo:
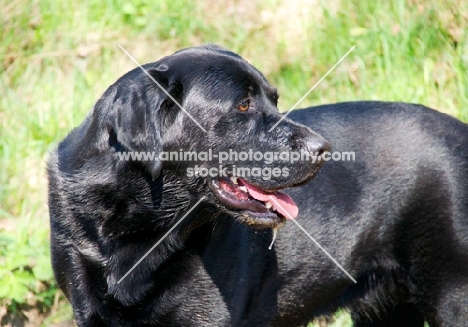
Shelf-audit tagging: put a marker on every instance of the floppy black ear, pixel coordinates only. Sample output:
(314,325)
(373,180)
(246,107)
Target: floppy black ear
(136,123)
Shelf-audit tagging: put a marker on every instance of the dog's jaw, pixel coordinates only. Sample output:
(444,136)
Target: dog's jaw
(233,196)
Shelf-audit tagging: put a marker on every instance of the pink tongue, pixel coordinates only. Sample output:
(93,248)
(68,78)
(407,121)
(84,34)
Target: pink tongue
(280,201)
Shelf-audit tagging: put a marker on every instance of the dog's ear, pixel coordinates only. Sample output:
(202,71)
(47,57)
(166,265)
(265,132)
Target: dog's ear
(139,114)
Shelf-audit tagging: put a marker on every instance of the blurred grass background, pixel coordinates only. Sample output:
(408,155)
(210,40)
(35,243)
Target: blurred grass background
(57,57)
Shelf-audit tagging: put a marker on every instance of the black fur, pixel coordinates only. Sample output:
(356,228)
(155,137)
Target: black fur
(395,218)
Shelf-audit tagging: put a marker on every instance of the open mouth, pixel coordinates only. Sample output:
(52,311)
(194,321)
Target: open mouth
(238,194)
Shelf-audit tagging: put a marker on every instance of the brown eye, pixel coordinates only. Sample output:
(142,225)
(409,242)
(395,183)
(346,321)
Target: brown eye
(244,105)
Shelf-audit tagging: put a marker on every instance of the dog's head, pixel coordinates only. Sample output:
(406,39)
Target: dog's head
(208,124)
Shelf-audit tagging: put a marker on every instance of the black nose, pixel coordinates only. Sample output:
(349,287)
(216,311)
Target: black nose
(317,145)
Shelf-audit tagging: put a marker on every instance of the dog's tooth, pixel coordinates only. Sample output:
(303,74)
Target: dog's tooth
(268,205)
(274,209)
(234,179)
(243,188)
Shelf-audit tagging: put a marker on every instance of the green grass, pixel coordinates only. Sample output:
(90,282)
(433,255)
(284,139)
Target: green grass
(57,57)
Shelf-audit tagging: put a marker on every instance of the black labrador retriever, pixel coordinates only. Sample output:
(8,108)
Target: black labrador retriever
(156,240)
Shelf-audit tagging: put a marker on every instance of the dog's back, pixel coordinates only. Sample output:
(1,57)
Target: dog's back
(392,208)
